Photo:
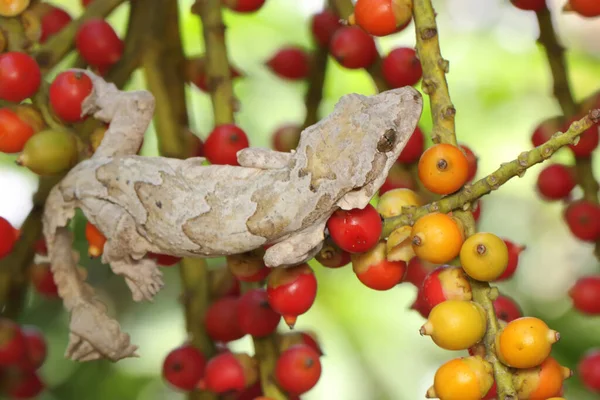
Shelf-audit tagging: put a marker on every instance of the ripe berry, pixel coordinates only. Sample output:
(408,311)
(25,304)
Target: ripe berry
(382,17)
(221,320)
(291,63)
(17,125)
(195,72)
(413,149)
(53,21)
(37,349)
(292,291)
(43,280)
(96,240)
(420,306)
(230,372)
(443,168)
(455,324)
(24,384)
(40,247)
(7,237)
(585,294)
(466,378)
(49,152)
(525,342)
(540,382)
(445,283)
(477,210)
(472,161)
(20,76)
(507,309)
(401,67)
(13,344)
(586,8)
(583,219)
(331,256)
(223,283)
(375,271)
(86,3)
(398,177)
(588,142)
(437,238)
(298,369)
(67,92)
(249,266)
(255,315)
(243,6)
(287,340)
(544,131)
(98,43)
(324,25)
(357,230)
(184,367)
(13,8)
(164,260)
(514,250)
(589,370)
(223,143)
(353,48)
(556,181)
(416,271)
(529,5)
(484,256)
(286,138)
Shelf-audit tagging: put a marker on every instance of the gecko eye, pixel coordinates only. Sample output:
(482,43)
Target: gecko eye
(387,141)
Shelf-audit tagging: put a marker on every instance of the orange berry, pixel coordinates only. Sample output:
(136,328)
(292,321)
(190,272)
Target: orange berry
(96,240)
(541,382)
(484,256)
(391,202)
(443,168)
(437,238)
(466,378)
(455,324)
(525,342)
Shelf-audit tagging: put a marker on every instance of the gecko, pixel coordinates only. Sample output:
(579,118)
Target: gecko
(185,208)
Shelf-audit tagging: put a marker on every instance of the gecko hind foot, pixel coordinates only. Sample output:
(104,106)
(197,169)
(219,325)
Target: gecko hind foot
(143,277)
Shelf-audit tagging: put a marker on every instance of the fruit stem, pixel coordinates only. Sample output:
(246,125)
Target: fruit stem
(435,85)
(316,80)
(562,92)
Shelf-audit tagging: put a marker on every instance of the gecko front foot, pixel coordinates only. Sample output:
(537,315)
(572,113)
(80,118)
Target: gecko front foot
(95,335)
(143,277)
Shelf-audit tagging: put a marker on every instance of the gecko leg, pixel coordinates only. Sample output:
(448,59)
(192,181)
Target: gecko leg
(298,248)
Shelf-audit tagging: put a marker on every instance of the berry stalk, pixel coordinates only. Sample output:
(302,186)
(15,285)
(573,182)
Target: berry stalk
(316,80)
(564,95)
(443,113)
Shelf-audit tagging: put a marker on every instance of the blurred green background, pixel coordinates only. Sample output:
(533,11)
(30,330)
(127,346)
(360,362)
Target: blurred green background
(501,87)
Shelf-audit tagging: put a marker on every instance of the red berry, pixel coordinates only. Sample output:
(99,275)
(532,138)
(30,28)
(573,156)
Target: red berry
(165,260)
(221,320)
(20,76)
(86,3)
(377,17)
(507,309)
(477,210)
(375,271)
(197,146)
(514,251)
(184,367)
(13,344)
(53,21)
(229,372)
(586,8)
(40,247)
(353,48)
(223,143)
(324,25)
(401,67)
(492,393)
(98,43)
(255,315)
(286,138)
(243,6)
(357,230)
(67,92)
(588,142)
(586,295)
(414,148)
(25,384)
(291,63)
(589,370)
(416,271)
(472,160)
(7,237)
(331,256)
(445,283)
(311,341)
(583,219)
(421,306)
(251,393)
(37,348)
(14,131)
(292,291)
(529,5)
(398,178)
(544,131)
(556,181)
(298,369)
(43,280)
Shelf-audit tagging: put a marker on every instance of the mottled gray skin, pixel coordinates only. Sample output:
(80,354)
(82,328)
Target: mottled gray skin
(185,208)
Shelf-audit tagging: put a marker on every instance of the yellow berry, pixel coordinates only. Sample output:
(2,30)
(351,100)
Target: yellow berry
(391,202)
(455,324)
(484,256)
(466,378)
